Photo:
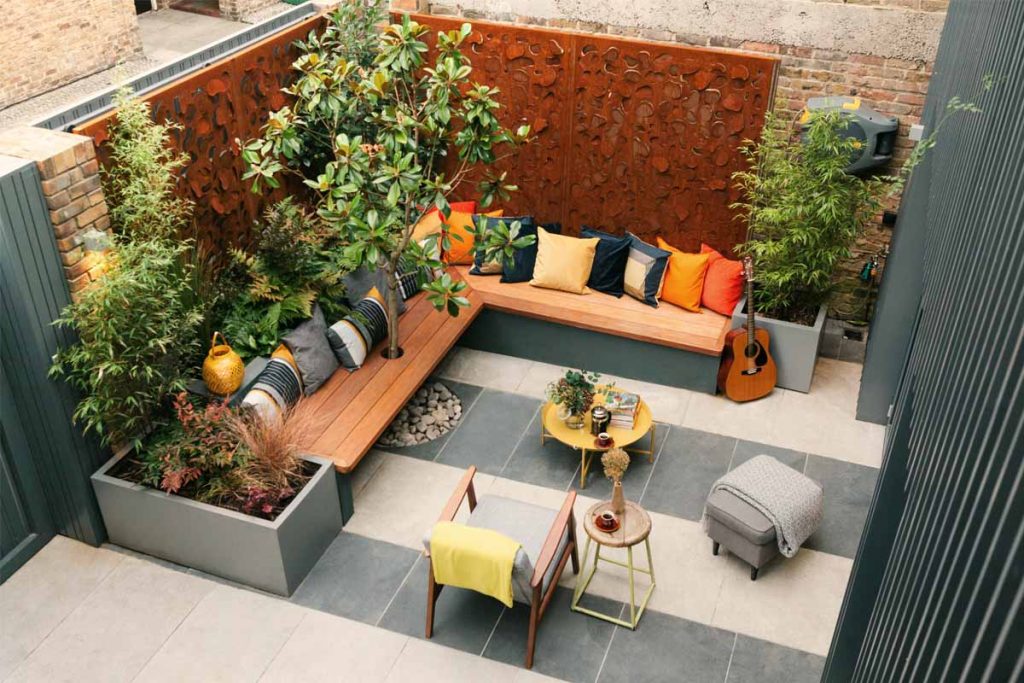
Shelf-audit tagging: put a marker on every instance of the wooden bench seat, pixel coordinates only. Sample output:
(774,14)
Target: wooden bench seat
(667,325)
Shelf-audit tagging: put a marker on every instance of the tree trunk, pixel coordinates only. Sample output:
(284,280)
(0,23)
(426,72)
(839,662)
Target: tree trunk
(391,298)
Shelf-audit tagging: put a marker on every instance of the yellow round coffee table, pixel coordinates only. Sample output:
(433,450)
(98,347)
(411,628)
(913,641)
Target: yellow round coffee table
(553,427)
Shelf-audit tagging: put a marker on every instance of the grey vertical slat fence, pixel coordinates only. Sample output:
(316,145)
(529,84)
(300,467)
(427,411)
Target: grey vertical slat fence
(937,591)
(33,291)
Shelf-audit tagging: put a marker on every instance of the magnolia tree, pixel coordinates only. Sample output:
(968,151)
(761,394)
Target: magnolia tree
(409,133)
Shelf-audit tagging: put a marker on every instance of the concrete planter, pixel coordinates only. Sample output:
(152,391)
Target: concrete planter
(272,556)
(794,347)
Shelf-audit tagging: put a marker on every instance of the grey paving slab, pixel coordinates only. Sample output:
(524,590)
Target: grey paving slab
(570,645)
(490,431)
(666,648)
(848,490)
(689,463)
(468,394)
(463,619)
(745,450)
(758,661)
(640,468)
(552,464)
(356,577)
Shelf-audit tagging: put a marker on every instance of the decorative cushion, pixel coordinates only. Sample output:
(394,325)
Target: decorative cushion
(609,272)
(684,278)
(432,222)
(354,336)
(488,223)
(360,281)
(460,250)
(563,262)
(312,352)
(645,270)
(723,283)
(278,385)
(524,260)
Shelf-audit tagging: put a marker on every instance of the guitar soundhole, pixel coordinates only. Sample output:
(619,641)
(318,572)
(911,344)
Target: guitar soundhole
(751,350)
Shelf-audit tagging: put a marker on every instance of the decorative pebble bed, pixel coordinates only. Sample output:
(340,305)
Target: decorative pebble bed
(432,412)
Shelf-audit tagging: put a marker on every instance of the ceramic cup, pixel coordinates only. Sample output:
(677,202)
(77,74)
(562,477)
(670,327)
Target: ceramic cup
(604,438)
(607,520)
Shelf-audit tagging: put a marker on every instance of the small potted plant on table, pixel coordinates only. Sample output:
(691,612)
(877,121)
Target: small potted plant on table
(573,394)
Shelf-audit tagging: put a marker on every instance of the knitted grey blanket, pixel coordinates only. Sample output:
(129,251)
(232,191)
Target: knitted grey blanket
(792,501)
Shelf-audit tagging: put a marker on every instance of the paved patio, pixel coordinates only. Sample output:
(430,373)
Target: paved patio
(105,615)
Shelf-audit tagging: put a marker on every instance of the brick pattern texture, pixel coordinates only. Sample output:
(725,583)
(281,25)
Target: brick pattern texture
(70,178)
(891,86)
(237,9)
(44,45)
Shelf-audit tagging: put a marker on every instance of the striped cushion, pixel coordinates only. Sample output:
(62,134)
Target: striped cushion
(412,278)
(276,387)
(357,333)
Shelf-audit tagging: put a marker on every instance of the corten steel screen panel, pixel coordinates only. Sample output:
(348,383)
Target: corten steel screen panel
(630,135)
(214,106)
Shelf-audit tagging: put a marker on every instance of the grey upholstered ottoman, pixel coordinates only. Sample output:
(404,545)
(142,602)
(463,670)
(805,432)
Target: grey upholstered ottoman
(743,530)
(762,509)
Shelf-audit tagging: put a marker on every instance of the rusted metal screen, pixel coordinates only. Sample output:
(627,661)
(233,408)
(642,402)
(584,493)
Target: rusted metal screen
(228,100)
(631,135)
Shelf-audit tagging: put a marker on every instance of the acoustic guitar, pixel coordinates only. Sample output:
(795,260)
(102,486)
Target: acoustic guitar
(748,369)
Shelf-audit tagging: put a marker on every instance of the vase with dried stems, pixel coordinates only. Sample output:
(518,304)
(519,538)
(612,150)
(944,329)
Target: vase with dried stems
(615,462)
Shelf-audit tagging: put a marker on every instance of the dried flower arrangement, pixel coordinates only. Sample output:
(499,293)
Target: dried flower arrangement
(615,462)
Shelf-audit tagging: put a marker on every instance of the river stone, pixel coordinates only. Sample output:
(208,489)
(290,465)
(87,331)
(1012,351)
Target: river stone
(433,411)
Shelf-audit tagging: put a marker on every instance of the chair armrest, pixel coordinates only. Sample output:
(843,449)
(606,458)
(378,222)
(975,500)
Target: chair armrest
(547,551)
(463,490)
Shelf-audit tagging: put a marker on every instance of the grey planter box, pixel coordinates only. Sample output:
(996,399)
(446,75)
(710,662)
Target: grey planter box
(272,556)
(794,347)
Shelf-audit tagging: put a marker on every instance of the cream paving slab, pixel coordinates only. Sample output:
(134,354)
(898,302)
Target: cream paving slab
(484,369)
(404,498)
(794,602)
(422,661)
(528,676)
(113,633)
(689,578)
(325,647)
(46,590)
(231,635)
(366,468)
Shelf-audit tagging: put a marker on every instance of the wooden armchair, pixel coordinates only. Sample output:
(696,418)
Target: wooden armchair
(548,539)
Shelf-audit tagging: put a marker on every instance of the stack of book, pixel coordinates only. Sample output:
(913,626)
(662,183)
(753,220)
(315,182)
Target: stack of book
(623,407)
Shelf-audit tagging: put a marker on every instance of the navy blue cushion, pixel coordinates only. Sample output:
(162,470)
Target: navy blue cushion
(521,268)
(609,270)
(526,227)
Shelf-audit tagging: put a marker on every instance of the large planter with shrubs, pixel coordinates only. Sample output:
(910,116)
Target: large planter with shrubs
(793,346)
(274,556)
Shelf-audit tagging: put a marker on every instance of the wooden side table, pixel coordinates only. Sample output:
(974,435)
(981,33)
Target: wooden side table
(635,527)
(553,427)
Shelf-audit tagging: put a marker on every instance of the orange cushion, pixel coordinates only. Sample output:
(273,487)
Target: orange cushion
(430,224)
(684,277)
(723,284)
(461,251)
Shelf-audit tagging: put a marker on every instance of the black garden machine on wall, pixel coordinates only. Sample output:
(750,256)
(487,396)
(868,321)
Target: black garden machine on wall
(876,132)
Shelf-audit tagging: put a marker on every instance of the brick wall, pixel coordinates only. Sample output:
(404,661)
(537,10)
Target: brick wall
(878,50)
(237,9)
(70,178)
(44,45)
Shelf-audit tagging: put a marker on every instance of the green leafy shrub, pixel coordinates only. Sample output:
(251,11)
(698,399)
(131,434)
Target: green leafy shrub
(295,262)
(135,335)
(140,179)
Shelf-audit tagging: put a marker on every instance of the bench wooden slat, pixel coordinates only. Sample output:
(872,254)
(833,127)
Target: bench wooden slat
(666,325)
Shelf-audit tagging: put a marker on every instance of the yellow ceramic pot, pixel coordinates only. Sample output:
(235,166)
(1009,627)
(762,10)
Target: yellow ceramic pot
(223,369)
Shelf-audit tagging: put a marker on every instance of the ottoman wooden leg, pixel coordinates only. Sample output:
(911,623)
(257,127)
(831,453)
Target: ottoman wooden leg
(714,547)
(753,573)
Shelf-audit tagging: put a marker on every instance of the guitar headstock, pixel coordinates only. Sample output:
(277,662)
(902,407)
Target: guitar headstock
(748,269)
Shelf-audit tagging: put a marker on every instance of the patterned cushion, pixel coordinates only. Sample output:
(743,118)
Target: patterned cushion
(353,336)
(645,271)
(277,386)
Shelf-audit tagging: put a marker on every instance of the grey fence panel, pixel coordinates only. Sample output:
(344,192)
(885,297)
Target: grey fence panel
(937,591)
(49,451)
(101,101)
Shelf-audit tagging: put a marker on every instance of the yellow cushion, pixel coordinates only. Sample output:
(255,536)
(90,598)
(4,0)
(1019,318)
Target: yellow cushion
(430,224)
(563,262)
(474,558)
(461,251)
(684,277)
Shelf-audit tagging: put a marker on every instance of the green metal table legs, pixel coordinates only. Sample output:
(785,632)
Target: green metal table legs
(635,611)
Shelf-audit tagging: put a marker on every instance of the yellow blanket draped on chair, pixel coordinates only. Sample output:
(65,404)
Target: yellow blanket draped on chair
(473,558)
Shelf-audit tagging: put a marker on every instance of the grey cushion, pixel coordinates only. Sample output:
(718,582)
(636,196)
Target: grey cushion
(525,523)
(741,517)
(360,281)
(312,351)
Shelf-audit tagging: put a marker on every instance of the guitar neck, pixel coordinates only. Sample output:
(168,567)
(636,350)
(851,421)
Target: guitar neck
(750,311)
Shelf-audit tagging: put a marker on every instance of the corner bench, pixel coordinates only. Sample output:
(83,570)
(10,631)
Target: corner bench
(620,336)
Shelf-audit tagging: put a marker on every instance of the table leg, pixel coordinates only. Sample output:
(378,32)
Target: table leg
(584,466)
(632,590)
(581,584)
(650,456)
(650,562)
